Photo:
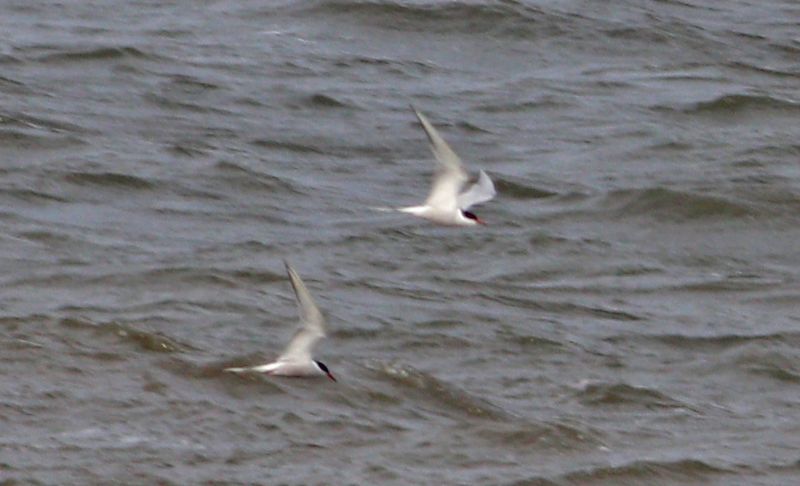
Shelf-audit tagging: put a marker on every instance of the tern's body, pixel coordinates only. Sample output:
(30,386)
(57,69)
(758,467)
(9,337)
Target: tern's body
(296,360)
(439,215)
(446,204)
(285,368)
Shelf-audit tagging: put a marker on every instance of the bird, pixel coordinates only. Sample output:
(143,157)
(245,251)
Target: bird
(446,204)
(296,359)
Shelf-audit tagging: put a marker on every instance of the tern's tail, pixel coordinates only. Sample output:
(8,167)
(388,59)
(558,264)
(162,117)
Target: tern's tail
(237,370)
(265,368)
(411,209)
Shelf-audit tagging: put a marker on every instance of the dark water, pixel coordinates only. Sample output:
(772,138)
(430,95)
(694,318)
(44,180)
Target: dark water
(630,316)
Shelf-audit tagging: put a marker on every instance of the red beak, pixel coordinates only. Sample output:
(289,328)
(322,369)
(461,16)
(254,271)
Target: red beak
(480,221)
(331,376)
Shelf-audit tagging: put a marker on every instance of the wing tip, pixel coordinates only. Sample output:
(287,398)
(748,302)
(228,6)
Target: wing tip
(423,120)
(291,272)
(294,278)
(430,131)
(490,182)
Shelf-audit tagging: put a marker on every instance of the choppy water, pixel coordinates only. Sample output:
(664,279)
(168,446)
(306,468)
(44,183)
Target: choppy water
(630,316)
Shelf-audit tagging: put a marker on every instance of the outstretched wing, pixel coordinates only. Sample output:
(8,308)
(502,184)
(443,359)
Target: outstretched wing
(450,175)
(480,192)
(311,321)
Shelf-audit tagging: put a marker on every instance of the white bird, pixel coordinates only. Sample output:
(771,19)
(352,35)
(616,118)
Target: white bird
(296,359)
(445,205)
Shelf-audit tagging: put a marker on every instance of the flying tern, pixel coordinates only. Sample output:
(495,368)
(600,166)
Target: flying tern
(446,204)
(296,359)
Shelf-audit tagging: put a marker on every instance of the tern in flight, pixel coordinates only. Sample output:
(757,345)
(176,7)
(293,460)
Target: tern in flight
(296,359)
(446,204)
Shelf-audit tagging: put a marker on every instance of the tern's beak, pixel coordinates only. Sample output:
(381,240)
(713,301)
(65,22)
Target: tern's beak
(331,376)
(480,221)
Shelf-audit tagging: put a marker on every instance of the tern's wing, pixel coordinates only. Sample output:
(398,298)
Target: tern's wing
(301,345)
(311,321)
(480,192)
(450,175)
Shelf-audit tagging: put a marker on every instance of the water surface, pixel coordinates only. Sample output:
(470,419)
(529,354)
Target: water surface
(629,316)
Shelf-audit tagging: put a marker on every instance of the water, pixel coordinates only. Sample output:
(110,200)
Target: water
(629,316)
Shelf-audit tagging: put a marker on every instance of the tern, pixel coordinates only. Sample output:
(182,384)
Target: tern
(296,359)
(446,204)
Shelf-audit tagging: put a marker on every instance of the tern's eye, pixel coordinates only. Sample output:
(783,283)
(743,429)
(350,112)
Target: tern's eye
(470,215)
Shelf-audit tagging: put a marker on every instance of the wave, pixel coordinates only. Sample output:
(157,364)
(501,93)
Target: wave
(730,282)
(22,131)
(623,394)
(506,18)
(109,179)
(770,71)
(520,190)
(154,277)
(144,340)
(320,145)
(191,83)
(670,204)
(8,59)
(37,124)
(24,140)
(646,472)
(778,368)
(762,355)
(779,365)
(320,100)
(563,307)
(244,177)
(288,146)
(106,53)
(170,102)
(710,343)
(12,86)
(543,102)
(545,435)
(406,68)
(448,397)
(530,343)
(730,106)
(31,196)
(787,149)
(189,149)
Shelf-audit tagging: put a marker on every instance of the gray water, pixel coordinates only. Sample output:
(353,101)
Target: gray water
(630,315)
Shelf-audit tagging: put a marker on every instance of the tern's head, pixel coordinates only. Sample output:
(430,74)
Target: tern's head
(472,217)
(324,369)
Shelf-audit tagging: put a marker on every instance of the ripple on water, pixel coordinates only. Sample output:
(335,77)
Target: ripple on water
(675,205)
(448,398)
(624,395)
(543,436)
(680,471)
(730,108)
(505,19)
(95,54)
(140,339)
(110,180)
(12,139)
(709,343)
